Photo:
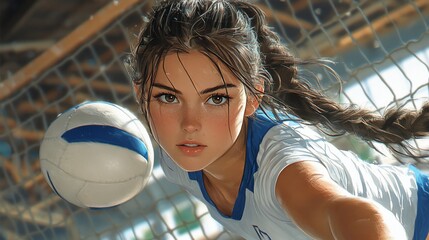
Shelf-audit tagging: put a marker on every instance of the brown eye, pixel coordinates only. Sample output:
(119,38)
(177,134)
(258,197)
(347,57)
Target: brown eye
(217,100)
(167,98)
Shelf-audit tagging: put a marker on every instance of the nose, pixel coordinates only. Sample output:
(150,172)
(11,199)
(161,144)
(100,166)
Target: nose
(191,120)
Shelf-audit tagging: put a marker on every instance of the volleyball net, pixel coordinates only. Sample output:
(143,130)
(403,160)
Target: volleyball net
(380,49)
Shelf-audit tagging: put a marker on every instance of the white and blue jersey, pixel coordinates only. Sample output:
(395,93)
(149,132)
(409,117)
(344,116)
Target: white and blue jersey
(271,147)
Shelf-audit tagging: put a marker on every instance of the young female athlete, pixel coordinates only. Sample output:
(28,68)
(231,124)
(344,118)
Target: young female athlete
(223,100)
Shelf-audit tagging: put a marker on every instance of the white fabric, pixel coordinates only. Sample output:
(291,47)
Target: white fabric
(283,144)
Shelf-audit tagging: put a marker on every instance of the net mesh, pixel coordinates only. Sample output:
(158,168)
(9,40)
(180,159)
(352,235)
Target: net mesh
(380,50)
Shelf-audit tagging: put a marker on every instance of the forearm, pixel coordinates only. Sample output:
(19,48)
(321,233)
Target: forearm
(351,218)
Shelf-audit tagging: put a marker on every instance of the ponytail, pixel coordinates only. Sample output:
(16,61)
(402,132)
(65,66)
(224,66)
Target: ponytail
(288,92)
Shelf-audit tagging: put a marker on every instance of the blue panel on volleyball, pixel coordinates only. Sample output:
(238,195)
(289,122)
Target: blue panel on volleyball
(108,135)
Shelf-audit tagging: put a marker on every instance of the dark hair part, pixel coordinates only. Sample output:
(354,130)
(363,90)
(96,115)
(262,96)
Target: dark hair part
(236,33)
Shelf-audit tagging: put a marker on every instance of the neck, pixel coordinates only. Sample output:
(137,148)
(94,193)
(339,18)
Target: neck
(226,173)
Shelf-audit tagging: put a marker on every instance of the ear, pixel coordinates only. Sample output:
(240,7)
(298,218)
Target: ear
(253,101)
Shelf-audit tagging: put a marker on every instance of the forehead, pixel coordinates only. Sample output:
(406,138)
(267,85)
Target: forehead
(195,66)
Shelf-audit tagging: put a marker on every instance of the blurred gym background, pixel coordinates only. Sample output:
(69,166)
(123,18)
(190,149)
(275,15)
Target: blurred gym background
(58,53)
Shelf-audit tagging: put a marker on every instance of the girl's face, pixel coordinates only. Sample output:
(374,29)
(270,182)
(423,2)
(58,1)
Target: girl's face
(195,115)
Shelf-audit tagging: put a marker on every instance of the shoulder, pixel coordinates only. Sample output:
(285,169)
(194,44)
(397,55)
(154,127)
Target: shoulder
(280,146)
(275,145)
(287,143)
(263,129)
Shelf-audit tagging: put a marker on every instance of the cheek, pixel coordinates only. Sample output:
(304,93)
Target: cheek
(236,116)
(161,122)
(226,125)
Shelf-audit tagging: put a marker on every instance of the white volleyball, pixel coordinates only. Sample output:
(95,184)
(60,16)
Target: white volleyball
(96,155)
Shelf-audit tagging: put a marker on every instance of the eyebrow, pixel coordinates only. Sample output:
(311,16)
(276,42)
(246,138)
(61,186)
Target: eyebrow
(205,91)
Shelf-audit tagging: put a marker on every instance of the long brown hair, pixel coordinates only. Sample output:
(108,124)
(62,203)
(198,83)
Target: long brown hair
(237,34)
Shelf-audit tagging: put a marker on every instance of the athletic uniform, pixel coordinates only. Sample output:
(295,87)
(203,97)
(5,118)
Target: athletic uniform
(272,146)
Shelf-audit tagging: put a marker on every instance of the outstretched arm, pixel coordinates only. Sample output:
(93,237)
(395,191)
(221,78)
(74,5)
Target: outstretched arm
(324,210)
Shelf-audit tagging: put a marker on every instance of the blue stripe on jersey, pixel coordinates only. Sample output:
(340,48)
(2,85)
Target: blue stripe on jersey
(256,129)
(108,135)
(421,229)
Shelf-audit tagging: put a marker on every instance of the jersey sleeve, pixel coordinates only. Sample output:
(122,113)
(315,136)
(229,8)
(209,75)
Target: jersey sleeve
(281,147)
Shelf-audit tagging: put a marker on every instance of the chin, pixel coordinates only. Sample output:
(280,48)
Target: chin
(188,168)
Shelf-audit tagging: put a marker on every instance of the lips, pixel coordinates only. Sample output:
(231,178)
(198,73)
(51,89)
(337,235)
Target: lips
(191,145)
(191,149)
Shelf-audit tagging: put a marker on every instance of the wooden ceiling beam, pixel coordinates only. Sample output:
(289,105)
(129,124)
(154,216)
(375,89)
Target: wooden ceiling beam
(285,19)
(65,46)
(34,216)
(337,24)
(28,135)
(366,33)
(26,107)
(7,123)
(23,212)
(96,84)
(325,47)
(11,169)
(19,132)
(16,47)
(52,199)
